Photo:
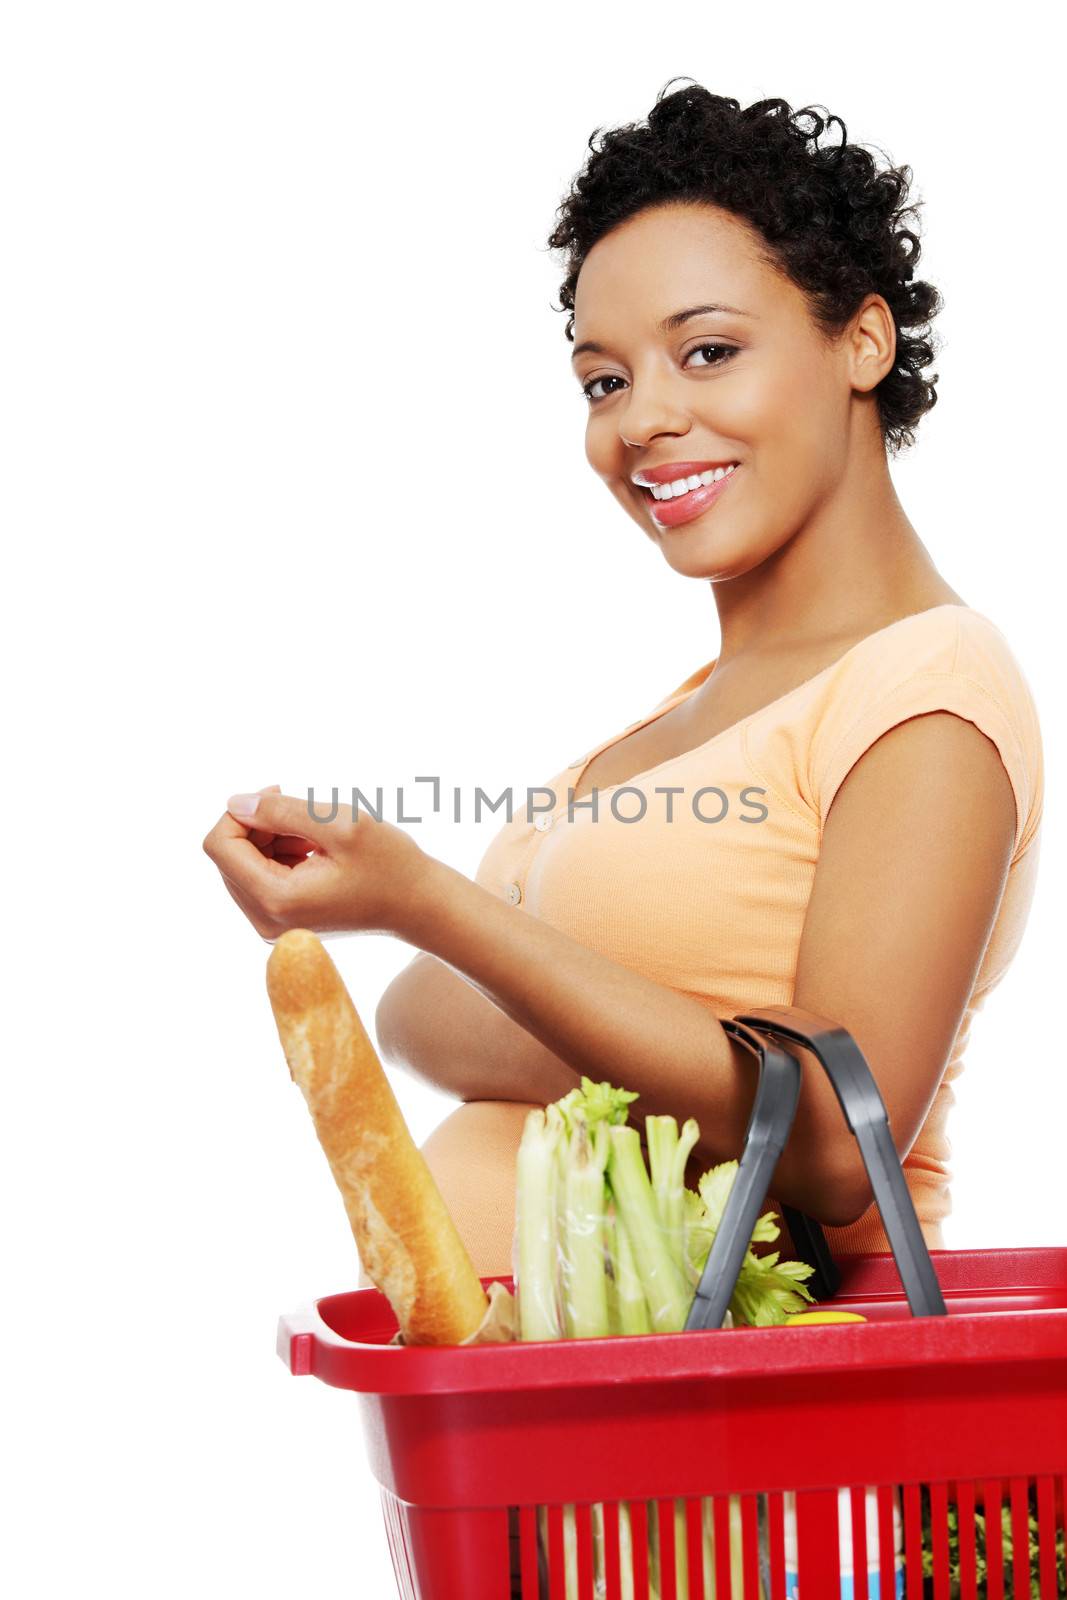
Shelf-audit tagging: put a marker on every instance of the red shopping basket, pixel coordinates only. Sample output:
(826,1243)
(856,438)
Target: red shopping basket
(924,1450)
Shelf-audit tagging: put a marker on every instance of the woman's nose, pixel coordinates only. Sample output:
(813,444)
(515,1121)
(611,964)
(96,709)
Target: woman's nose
(650,410)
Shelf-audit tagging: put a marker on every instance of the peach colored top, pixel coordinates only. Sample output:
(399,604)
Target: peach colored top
(715,908)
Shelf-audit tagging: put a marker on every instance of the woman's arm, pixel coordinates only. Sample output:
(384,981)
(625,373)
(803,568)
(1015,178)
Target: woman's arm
(913,862)
(608,1021)
(443,1030)
(911,870)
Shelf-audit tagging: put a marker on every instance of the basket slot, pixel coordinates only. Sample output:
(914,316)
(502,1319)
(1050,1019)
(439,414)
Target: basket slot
(887,1572)
(668,1565)
(721,1522)
(694,1548)
(1046,1524)
(750,1547)
(1019,1496)
(967,1547)
(858,1508)
(527,1554)
(639,1547)
(557,1577)
(939,1538)
(612,1563)
(583,1526)
(994,1546)
(776,1544)
(913,1541)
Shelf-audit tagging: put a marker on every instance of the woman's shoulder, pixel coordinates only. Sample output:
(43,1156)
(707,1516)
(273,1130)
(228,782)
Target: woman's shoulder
(985,655)
(951,644)
(948,658)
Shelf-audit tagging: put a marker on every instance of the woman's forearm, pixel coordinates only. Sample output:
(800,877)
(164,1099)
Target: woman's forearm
(442,1029)
(607,1021)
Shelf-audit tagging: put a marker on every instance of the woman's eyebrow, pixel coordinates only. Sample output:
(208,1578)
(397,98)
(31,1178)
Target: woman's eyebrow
(668,325)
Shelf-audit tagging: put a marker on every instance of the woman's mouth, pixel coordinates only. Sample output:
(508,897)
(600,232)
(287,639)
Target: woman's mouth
(683,508)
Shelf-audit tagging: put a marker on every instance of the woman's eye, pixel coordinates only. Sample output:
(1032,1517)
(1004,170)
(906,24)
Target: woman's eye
(718,355)
(722,351)
(587,389)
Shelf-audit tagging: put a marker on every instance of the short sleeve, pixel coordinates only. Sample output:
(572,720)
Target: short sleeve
(970,673)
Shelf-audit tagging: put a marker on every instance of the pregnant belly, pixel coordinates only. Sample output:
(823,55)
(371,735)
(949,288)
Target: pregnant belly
(471,1155)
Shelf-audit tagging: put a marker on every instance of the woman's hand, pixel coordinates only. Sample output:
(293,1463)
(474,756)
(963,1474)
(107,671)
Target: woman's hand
(286,870)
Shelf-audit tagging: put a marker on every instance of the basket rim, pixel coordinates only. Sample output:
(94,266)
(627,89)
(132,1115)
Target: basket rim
(990,1335)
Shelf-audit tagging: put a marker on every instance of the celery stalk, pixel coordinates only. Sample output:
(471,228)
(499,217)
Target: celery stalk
(667,1290)
(655,1568)
(611,1266)
(570,1553)
(687,1140)
(631,1302)
(661,1136)
(585,1284)
(600,1571)
(536,1225)
(668,1153)
(626,1552)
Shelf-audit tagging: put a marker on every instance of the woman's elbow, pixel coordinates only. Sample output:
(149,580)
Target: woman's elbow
(397,1001)
(381,1021)
(845,1195)
(834,1196)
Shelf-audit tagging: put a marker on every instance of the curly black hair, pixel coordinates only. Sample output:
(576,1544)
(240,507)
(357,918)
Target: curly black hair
(830,218)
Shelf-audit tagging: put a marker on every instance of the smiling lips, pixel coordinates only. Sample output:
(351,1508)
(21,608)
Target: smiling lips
(678,508)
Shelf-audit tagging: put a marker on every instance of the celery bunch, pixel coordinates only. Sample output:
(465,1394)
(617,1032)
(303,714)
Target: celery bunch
(978,1536)
(604,1245)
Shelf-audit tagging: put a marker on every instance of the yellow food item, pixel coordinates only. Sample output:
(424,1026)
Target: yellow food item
(813,1319)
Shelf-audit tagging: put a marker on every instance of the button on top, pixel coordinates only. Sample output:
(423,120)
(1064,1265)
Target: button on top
(542,822)
(512,894)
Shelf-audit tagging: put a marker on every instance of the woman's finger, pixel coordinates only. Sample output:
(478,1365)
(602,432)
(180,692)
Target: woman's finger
(282,846)
(282,814)
(289,848)
(237,858)
(263,836)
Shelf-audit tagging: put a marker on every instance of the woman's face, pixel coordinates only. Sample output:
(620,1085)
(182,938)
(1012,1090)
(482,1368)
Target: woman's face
(757,385)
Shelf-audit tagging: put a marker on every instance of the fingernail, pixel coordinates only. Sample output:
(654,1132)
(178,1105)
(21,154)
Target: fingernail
(242,806)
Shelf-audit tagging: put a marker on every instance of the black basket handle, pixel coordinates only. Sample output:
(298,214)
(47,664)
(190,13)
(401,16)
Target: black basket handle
(777,1094)
(770,1125)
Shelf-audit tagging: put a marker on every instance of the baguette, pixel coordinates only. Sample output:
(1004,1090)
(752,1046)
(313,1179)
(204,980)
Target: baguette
(408,1243)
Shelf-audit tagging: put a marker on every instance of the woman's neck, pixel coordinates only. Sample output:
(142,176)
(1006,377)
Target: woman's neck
(855,566)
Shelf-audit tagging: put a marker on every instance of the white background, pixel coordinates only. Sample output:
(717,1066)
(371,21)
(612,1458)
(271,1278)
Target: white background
(263,265)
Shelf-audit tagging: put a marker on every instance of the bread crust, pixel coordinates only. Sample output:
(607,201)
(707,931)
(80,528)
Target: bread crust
(408,1243)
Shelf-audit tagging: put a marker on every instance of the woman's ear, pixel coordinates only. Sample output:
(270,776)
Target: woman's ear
(871,344)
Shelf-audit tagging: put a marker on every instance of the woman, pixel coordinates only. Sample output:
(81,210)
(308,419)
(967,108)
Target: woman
(855,779)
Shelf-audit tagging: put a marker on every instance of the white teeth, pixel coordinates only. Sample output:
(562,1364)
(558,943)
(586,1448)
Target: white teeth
(680,486)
